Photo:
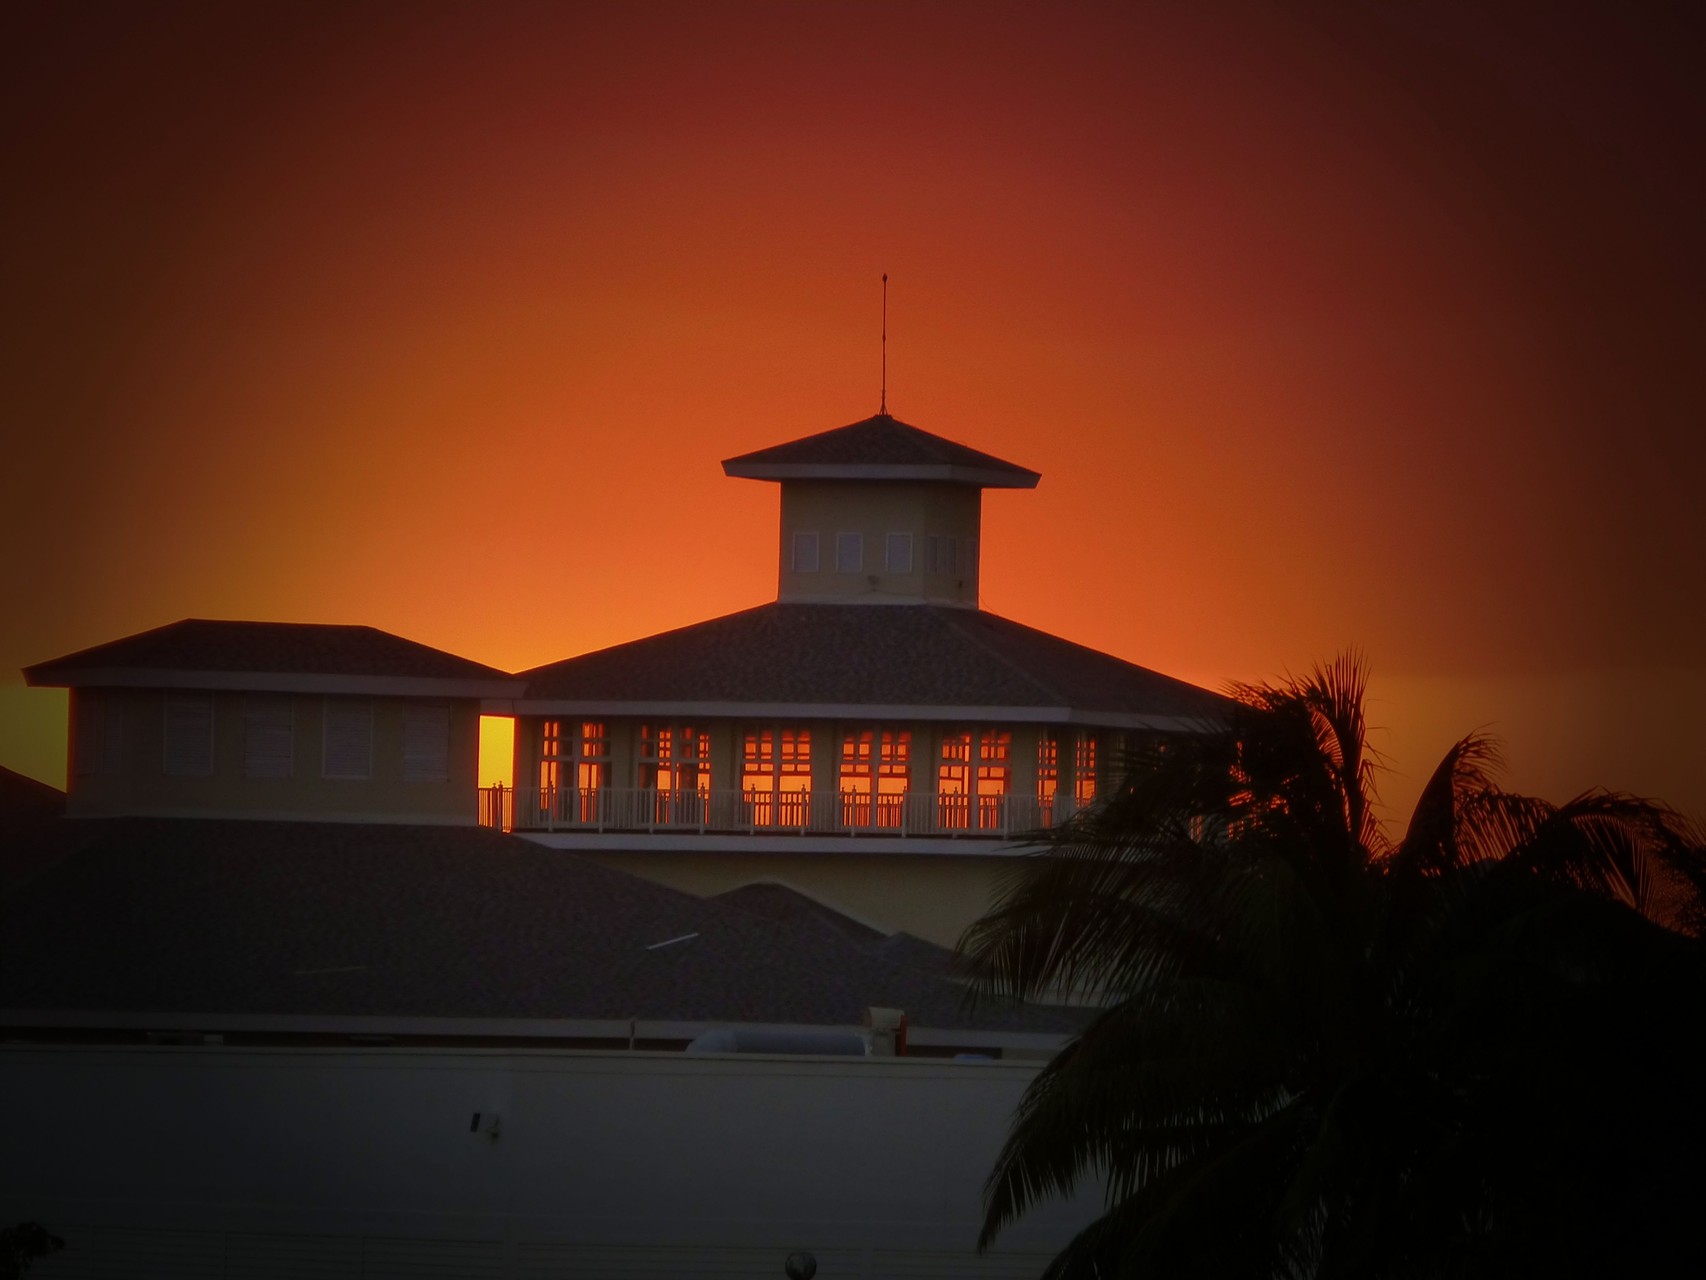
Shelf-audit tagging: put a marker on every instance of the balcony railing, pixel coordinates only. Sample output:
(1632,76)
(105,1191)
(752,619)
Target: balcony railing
(760,813)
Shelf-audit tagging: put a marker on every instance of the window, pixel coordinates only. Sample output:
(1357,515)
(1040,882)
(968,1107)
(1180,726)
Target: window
(875,774)
(898,553)
(1084,769)
(973,776)
(942,553)
(675,766)
(776,775)
(805,553)
(269,735)
(426,742)
(1054,746)
(849,552)
(592,756)
(674,758)
(1048,775)
(189,735)
(550,756)
(347,736)
(591,760)
(582,757)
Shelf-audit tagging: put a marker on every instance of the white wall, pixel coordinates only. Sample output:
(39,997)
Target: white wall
(249,1162)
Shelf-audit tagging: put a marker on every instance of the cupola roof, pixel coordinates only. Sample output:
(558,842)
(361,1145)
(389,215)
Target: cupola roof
(880,448)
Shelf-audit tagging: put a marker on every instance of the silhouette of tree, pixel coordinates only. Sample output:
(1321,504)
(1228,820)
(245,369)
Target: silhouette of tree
(1474,1051)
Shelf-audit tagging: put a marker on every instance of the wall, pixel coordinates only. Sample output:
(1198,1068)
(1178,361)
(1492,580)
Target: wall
(246,1162)
(875,509)
(130,778)
(935,898)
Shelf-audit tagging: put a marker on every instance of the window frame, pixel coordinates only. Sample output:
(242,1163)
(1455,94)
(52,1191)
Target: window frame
(257,709)
(438,756)
(173,745)
(350,704)
(849,552)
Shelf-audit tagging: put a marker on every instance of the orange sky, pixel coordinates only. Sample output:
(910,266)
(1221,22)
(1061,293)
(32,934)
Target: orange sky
(1378,328)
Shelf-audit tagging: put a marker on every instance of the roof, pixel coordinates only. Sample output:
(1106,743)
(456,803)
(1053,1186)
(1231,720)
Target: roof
(880,448)
(150,916)
(904,661)
(282,656)
(24,805)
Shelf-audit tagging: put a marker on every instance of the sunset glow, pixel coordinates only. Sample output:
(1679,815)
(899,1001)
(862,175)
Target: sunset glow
(1372,326)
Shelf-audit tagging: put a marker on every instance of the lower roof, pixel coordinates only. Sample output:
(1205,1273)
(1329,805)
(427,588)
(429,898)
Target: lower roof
(906,661)
(133,917)
(300,657)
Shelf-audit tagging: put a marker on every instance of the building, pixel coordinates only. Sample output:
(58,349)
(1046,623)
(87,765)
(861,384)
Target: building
(288,721)
(872,738)
(282,1001)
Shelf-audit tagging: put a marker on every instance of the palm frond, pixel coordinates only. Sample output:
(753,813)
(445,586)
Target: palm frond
(1324,1054)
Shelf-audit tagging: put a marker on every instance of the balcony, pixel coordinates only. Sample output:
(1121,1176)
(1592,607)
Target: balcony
(635,810)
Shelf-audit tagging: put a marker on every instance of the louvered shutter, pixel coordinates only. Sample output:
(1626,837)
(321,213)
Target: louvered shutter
(426,743)
(348,738)
(189,735)
(268,737)
(86,731)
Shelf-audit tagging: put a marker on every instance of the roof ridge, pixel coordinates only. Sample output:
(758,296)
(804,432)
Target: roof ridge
(527,672)
(972,637)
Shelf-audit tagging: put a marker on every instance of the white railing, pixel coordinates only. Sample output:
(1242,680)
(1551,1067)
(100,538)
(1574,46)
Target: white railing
(639,809)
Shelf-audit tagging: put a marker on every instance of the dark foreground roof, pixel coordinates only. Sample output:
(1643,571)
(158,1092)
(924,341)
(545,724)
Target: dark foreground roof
(205,645)
(140,916)
(25,805)
(937,658)
(880,448)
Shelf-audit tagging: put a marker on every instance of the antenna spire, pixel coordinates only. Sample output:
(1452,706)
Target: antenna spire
(883,408)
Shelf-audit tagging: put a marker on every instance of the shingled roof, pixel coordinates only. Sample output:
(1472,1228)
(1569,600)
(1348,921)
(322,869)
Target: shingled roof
(923,661)
(142,917)
(880,448)
(208,653)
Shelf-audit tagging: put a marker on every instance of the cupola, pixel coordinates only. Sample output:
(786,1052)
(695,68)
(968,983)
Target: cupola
(879,512)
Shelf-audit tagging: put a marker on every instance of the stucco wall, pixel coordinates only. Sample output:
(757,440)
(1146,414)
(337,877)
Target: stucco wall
(876,509)
(227,1162)
(129,775)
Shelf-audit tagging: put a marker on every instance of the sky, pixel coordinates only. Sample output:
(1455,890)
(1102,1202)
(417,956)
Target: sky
(1372,327)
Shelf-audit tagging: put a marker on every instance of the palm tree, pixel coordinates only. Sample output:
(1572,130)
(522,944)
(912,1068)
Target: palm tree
(1476,1050)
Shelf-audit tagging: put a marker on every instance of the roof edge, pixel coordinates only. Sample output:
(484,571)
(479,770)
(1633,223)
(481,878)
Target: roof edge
(938,473)
(51,676)
(940,712)
(428,1025)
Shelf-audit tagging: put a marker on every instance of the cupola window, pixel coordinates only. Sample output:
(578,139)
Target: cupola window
(899,553)
(849,552)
